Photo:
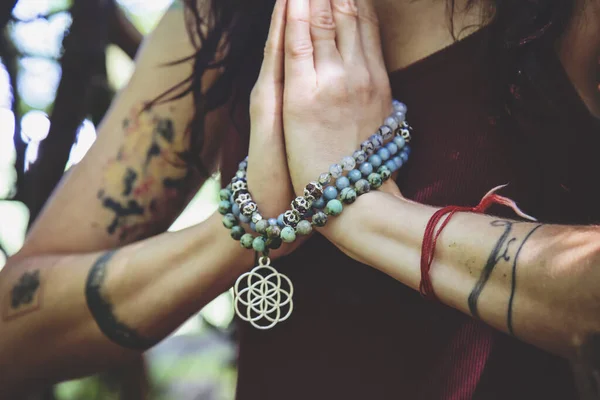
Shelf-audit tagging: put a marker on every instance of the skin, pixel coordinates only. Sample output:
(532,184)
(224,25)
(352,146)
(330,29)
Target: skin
(88,289)
(537,282)
(95,285)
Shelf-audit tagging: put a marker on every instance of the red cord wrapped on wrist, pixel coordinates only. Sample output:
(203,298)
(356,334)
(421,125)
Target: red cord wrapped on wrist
(431,234)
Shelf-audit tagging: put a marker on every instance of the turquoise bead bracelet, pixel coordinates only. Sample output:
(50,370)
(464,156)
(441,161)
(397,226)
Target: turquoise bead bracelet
(267,292)
(236,194)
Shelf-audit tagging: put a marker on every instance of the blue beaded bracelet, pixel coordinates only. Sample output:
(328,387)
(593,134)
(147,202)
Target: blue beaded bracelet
(362,182)
(346,190)
(368,168)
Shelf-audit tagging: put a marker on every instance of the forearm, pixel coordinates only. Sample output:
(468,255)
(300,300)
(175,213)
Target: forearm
(537,282)
(136,295)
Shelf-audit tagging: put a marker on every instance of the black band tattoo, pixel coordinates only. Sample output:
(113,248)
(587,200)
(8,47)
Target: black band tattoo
(102,310)
(499,253)
(509,316)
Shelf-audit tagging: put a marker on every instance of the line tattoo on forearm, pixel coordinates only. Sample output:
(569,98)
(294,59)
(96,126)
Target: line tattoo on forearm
(102,309)
(513,287)
(499,253)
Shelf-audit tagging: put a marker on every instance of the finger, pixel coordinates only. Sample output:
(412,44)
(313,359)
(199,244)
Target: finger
(368,25)
(322,30)
(272,66)
(299,51)
(345,14)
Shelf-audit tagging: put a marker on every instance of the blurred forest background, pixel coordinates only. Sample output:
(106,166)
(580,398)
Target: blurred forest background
(61,62)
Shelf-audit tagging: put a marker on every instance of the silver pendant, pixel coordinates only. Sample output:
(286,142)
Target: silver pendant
(261,301)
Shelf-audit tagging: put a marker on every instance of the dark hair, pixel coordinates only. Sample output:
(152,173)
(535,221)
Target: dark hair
(237,30)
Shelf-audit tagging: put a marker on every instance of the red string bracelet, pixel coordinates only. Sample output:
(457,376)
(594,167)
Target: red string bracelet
(431,234)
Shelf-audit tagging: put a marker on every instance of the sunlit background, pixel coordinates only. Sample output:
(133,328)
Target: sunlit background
(195,363)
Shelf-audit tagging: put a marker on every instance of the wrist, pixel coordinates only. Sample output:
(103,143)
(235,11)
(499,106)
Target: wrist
(236,257)
(378,218)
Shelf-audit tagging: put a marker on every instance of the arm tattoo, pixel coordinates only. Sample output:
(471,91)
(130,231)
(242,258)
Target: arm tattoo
(24,297)
(147,180)
(102,309)
(499,253)
(513,287)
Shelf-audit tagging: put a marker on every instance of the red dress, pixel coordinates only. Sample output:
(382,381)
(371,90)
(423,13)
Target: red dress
(355,332)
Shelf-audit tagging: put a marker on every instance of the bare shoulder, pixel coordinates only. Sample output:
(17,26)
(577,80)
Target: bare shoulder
(133,182)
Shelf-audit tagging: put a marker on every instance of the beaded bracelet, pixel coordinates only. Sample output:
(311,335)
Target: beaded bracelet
(370,166)
(291,222)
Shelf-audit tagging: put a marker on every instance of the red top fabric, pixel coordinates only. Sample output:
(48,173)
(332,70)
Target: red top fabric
(358,334)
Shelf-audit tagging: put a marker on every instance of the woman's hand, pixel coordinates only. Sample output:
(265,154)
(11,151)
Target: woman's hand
(268,175)
(337,91)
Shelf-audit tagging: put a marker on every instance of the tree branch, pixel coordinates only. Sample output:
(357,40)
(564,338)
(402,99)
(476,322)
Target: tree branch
(83,59)
(122,32)
(9,55)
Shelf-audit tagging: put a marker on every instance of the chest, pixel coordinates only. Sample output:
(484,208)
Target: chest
(462,149)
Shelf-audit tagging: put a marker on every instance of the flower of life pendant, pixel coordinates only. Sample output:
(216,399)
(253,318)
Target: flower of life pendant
(263,296)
